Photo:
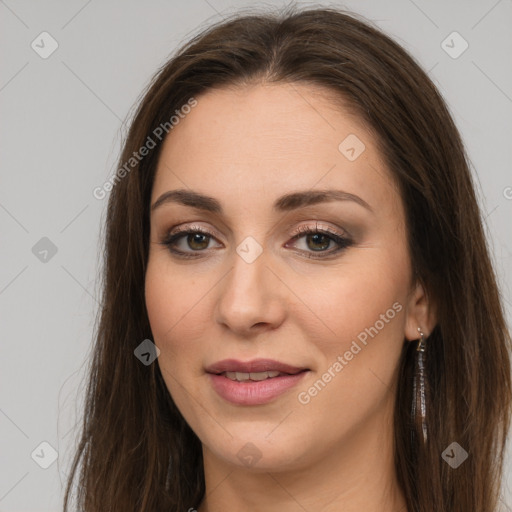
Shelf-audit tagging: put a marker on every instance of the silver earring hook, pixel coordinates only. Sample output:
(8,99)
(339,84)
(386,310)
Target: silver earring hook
(421,345)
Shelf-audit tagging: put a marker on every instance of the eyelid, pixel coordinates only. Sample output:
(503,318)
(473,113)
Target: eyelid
(192,227)
(342,239)
(304,229)
(301,229)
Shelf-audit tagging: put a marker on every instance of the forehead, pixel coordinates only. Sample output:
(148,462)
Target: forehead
(242,144)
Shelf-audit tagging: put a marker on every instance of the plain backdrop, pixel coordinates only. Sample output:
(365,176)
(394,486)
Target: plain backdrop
(62,117)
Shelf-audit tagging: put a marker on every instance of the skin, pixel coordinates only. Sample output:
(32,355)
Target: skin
(246,147)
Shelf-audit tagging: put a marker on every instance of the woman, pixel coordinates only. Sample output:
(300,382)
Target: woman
(299,309)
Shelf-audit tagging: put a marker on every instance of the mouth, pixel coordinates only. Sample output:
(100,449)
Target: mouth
(255,376)
(257,369)
(254,382)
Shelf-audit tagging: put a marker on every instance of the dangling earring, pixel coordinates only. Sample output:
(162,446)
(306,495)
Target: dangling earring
(419,393)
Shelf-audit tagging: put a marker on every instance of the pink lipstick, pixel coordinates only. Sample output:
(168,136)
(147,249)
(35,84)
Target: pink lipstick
(253,382)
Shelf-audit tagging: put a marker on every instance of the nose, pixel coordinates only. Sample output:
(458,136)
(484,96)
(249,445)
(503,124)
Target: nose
(251,297)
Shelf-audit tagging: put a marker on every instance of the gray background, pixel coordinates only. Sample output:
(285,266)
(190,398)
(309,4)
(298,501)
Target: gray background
(61,122)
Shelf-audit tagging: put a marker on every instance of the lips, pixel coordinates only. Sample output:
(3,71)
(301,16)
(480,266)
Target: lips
(256,382)
(254,366)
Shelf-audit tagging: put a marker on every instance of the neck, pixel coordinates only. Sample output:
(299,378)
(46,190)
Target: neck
(358,474)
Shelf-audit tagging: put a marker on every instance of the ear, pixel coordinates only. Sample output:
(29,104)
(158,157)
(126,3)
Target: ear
(419,312)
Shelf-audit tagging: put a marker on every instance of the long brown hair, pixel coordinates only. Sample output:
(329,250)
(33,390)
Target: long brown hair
(136,452)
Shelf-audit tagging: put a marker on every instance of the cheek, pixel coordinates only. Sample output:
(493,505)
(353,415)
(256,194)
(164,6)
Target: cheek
(171,298)
(353,297)
(361,306)
(161,303)
(176,306)
(167,302)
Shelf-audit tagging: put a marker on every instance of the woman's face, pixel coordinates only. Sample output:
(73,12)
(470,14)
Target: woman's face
(337,302)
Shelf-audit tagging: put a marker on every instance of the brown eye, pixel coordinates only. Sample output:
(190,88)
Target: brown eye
(318,240)
(196,241)
(185,243)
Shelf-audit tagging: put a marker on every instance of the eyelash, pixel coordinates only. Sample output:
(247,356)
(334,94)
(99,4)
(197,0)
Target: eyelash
(170,240)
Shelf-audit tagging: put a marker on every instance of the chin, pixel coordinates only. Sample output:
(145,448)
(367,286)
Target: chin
(260,454)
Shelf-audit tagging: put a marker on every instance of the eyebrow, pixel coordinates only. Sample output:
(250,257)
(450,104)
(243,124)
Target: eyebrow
(285,203)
